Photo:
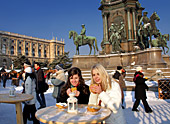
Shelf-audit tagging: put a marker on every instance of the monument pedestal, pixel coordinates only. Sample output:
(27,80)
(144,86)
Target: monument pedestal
(166,58)
(155,59)
(127,46)
(107,48)
(149,58)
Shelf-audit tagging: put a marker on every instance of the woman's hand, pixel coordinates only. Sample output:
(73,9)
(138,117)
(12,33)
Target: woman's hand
(92,88)
(77,93)
(68,91)
(95,89)
(98,89)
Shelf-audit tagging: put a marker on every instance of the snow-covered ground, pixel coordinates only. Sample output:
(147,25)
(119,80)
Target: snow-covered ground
(160,115)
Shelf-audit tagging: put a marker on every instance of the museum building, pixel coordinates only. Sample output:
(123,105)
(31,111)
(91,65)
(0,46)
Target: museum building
(35,49)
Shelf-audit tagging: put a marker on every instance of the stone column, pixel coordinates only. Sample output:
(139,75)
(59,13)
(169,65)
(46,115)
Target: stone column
(16,49)
(134,22)
(106,26)
(48,55)
(129,24)
(23,47)
(30,51)
(9,47)
(56,50)
(63,49)
(104,34)
(106,43)
(42,50)
(37,50)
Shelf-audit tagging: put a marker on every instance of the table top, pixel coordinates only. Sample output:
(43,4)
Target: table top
(52,114)
(5,98)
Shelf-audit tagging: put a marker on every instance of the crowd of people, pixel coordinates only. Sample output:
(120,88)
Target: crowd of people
(104,90)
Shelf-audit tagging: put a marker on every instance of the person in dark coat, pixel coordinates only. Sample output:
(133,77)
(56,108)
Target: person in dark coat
(40,85)
(140,90)
(4,76)
(118,72)
(120,79)
(75,83)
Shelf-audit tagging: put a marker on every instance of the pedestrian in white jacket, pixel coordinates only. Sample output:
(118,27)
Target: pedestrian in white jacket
(29,107)
(106,93)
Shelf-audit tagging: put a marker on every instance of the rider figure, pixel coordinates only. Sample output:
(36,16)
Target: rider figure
(82,33)
(146,23)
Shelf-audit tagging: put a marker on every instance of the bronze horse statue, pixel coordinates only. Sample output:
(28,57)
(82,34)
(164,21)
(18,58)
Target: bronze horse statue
(161,41)
(154,31)
(148,30)
(89,40)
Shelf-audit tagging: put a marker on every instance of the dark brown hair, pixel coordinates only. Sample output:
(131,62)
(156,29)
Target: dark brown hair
(71,72)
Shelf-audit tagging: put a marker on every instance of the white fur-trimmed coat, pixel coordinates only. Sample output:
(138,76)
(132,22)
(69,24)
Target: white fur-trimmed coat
(30,89)
(110,99)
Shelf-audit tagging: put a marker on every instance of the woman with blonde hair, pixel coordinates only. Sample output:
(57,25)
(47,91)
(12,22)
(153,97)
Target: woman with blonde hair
(106,93)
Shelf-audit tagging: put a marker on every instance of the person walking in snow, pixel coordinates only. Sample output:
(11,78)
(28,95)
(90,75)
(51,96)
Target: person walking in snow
(140,91)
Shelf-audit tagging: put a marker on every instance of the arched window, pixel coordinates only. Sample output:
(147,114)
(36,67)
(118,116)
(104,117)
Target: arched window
(26,51)
(58,50)
(4,49)
(4,40)
(19,50)
(4,63)
(39,52)
(12,50)
(33,52)
(45,53)
(12,41)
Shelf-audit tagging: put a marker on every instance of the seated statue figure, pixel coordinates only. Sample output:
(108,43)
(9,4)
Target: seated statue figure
(82,34)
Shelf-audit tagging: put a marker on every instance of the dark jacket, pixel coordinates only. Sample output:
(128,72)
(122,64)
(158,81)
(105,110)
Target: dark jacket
(82,98)
(40,81)
(140,88)
(116,75)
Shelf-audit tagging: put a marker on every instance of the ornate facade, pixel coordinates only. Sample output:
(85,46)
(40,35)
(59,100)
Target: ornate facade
(35,49)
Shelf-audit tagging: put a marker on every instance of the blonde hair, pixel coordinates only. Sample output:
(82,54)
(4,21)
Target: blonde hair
(104,76)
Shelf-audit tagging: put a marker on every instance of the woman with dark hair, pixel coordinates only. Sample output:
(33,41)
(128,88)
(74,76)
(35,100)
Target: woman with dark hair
(75,83)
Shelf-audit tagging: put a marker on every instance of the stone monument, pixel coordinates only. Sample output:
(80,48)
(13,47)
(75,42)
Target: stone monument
(127,38)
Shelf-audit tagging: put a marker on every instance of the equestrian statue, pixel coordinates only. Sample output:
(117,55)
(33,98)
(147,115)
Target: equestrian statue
(147,29)
(161,41)
(82,39)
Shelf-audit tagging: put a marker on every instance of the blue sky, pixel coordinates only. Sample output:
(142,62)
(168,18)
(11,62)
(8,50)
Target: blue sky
(47,18)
